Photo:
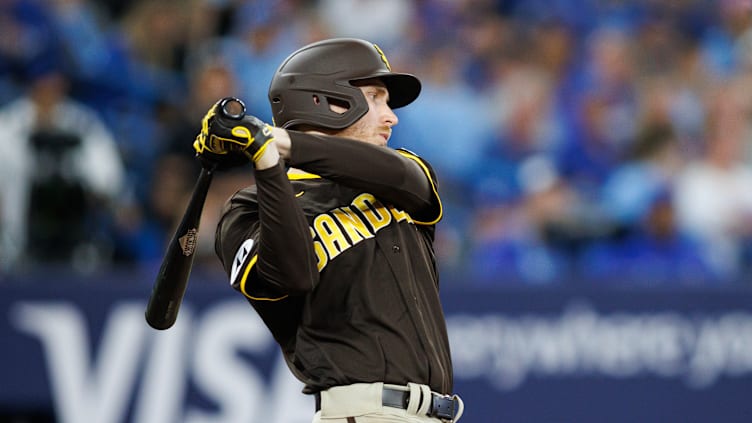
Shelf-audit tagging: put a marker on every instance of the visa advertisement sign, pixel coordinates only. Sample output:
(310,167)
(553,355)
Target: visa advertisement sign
(83,353)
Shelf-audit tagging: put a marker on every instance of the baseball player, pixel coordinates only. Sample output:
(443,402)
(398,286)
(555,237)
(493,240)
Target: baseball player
(336,254)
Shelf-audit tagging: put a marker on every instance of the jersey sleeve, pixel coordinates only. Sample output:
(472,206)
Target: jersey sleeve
(237,246)
(264,242)
(398,177)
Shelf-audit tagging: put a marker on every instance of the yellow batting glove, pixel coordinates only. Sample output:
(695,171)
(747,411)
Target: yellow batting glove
(228,133)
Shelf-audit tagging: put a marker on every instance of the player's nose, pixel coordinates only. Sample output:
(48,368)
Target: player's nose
(389,118)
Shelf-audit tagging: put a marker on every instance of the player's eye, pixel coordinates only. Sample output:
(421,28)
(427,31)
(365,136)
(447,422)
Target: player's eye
(376,94)
(380,97)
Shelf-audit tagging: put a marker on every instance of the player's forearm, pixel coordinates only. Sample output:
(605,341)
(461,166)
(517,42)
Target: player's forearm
(285,257)
(379,170)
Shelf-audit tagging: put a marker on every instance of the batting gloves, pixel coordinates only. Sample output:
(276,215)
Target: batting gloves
(229,137)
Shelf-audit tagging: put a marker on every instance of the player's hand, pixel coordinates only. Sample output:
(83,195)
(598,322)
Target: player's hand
(229,137)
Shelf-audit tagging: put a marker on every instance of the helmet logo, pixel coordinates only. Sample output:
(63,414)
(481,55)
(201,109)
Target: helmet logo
(383,58)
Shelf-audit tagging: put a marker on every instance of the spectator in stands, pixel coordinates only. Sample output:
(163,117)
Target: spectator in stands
(713,199)
(722,42)
(606,111)
(650,167)
(510,242)
(654,252)
(61,175)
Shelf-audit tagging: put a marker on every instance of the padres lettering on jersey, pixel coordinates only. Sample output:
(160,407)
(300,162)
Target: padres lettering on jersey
(332,232)
(338,230)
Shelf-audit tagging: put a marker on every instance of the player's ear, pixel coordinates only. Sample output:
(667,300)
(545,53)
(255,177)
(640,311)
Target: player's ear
(338,106)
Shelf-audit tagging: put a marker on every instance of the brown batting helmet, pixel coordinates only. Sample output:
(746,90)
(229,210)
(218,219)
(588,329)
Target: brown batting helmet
(324,72)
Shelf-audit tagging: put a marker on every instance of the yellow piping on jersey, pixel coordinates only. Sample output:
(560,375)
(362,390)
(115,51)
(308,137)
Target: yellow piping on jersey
(245,278)
(422,165)
(302,175)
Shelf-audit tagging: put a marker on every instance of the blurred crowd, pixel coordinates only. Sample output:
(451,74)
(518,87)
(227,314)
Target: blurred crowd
(574,140)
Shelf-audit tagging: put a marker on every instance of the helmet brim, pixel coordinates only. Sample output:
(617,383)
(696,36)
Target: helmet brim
(403,88)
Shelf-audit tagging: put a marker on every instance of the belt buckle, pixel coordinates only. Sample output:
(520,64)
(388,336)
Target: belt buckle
(442,406)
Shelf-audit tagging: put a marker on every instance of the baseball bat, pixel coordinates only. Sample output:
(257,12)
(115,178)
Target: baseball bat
(172,280)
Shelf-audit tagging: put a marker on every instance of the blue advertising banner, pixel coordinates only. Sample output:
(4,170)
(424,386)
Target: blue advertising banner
(82,352)
(603,355)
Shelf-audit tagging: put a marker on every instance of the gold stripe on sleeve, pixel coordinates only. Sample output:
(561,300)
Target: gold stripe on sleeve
(244,279)
(423,166)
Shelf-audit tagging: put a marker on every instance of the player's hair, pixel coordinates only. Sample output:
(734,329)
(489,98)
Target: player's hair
(326,72)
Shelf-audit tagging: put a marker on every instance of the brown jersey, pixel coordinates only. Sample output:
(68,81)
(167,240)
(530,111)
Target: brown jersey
(369,311)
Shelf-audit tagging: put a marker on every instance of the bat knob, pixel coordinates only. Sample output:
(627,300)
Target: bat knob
(232,108)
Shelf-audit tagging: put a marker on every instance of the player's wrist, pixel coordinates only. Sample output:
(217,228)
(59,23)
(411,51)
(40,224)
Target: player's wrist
(282,142)
(269,157)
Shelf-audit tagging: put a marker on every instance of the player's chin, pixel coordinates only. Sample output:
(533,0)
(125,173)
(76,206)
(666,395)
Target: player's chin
(381,140)
(378,140)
